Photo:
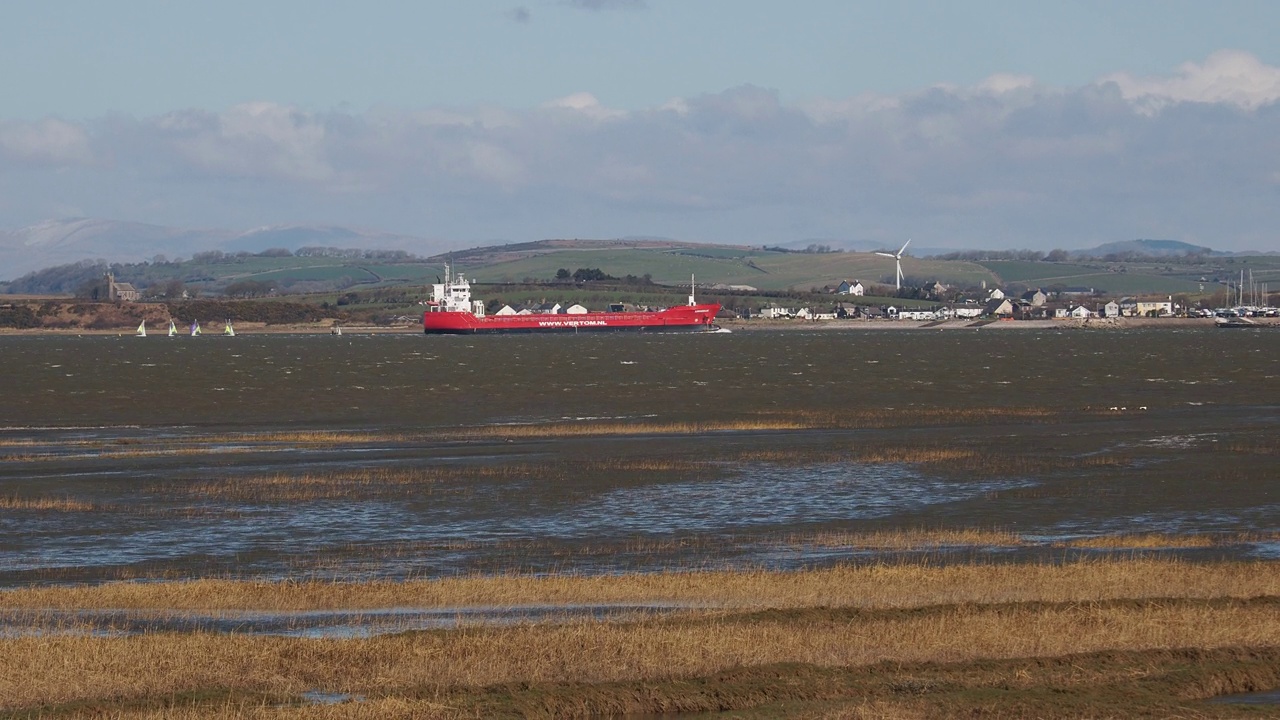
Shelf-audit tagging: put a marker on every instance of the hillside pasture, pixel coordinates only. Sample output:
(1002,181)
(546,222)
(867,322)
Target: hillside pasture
(1024,271)
(1133,280)
(760,269)
(331,272)
(1133,284)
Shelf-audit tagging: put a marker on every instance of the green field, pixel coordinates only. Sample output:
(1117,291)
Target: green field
(1151,275)
(672,264)
(759,269)
(1025,271)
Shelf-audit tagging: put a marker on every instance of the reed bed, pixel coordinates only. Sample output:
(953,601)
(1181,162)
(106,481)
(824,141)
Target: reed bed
(799,420)
(1149,541)
(343,484)
(902,585)
(888,616)
(46,504)
(967,460)
(55,669)
(25,457)
(1261,447)
(907,540)
(283,487)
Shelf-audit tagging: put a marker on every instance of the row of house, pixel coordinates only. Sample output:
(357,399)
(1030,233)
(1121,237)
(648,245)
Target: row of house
(551,308)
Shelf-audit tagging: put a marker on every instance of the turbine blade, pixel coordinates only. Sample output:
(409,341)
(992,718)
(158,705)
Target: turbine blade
(904,247)
(886,254)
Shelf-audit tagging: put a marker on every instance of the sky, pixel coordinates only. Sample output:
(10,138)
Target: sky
(988,123)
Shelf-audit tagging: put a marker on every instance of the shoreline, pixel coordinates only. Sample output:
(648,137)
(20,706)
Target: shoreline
(1123,323)
(326,328)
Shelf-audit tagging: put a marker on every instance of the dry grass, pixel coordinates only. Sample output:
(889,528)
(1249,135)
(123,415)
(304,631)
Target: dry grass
(283,487)
(1261,447)
(947,459)
(903,585)
(838,618)
(907,539)
(63,669)
(1147,541)
(67,504)
(799,420)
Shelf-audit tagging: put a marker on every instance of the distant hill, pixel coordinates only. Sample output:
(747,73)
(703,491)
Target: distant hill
(1147,248)
(60,242)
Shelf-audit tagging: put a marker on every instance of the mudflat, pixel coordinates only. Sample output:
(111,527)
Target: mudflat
(905,524)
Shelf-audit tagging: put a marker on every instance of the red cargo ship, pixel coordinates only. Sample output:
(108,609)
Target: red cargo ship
(451,311)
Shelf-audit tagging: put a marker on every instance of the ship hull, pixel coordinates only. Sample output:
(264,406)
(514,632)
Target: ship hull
(685,318)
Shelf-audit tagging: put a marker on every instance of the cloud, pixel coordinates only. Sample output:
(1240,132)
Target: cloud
(1004,162)
(47,142)
(520,15)
(258,139)
(584,104)
(1229,77)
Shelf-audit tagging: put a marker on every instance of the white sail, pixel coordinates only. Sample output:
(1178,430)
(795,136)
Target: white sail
(228,330)
(173,329)
(195,328)
(142,329)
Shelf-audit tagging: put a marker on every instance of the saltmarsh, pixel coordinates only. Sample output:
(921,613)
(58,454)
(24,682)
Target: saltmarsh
(806,524)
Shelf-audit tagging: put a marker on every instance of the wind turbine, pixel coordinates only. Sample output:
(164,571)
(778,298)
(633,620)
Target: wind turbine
(897,257)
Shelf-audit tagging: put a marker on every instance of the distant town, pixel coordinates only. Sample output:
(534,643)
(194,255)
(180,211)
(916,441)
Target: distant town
(332,287)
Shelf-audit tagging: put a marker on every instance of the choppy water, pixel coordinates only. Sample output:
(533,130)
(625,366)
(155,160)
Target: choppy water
(1182,400)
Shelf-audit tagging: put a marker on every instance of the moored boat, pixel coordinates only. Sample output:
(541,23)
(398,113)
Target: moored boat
(1235,322)
(451,311)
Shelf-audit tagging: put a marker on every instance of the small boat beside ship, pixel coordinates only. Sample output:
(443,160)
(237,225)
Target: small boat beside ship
(451,311)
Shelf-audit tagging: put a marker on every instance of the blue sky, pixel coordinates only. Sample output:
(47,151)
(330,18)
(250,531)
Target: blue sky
(991,124)
(78,59)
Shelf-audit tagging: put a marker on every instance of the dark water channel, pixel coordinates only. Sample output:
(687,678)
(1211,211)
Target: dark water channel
(110,446)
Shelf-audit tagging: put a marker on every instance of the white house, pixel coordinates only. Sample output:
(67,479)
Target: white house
(771,313)
(575,309)
(1000,307)
(507,310)
(1154,308)
(851,288)
(1081,312)
(995,294)
(1111,309)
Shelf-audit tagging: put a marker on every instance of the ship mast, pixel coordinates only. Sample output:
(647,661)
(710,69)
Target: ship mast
(692,289)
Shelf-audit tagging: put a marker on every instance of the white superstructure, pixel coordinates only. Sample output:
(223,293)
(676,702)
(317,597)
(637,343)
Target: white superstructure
(454,295)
